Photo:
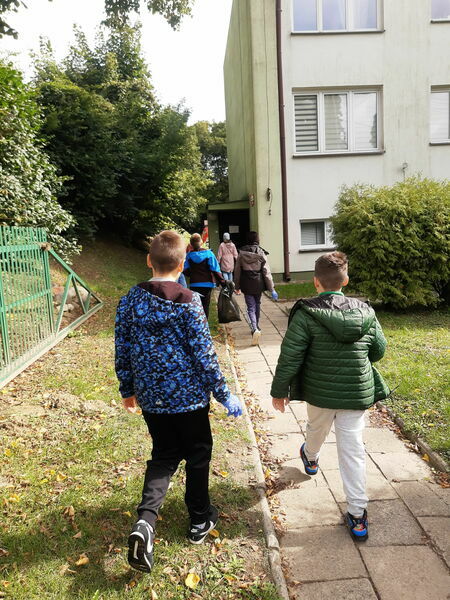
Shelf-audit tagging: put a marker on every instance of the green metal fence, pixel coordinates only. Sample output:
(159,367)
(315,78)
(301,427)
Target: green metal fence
(30,322)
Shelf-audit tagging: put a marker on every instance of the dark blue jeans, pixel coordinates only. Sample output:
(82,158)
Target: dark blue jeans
(253,302)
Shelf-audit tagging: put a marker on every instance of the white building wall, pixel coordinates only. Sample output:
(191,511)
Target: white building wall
(404,61)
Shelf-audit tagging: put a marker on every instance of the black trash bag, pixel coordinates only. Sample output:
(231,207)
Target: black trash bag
(227,307)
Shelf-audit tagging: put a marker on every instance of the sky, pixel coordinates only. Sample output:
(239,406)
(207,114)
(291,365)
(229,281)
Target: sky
(186,65)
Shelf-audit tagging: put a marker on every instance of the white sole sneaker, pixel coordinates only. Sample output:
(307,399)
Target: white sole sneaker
(255,337)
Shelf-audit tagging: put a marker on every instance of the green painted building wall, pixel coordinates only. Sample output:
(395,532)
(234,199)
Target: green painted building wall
(251,96)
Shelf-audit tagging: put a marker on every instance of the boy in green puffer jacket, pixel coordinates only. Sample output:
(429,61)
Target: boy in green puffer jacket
(326,360)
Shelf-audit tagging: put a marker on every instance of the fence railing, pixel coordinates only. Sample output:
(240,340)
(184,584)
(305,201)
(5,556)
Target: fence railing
(31,322)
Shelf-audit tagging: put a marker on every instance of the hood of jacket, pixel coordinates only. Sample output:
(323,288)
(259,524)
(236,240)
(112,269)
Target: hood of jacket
(152,312)
(347,319)
(252,258)
(198,256)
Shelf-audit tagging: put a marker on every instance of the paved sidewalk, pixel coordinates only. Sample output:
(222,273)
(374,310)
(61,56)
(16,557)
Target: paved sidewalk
(407,555)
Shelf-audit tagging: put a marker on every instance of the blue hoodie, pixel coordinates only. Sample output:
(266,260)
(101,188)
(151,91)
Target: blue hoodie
(202,268)
(164,353)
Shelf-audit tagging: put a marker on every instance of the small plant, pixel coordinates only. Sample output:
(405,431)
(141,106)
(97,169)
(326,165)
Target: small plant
(398,240)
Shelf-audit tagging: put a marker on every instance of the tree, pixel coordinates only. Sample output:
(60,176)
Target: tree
(398,240)
(133,164)
(29,184)
(117,11)
(212,139)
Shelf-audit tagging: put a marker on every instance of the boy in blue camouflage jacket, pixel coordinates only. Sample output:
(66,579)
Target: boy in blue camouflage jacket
(166,364)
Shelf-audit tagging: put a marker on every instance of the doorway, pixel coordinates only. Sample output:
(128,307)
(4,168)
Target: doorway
(236,223)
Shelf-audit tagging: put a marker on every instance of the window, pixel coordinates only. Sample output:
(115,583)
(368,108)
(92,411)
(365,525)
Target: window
(315,234)
(440,116)
(335,15)
(440,10)
(336,122)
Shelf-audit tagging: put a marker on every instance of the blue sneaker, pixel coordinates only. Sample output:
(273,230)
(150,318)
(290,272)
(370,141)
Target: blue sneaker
(359,527)
(311,466)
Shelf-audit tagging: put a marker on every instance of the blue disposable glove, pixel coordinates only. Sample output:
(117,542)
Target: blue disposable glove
(274,295)
(233,406)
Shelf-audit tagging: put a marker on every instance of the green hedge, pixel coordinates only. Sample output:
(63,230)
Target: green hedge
(397,240)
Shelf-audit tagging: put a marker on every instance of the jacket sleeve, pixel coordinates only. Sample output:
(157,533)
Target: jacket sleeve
(123,348)
(187,267)
(204,354)
(235,252)
(267,276)
(293,350)
(237,274)
(378,345)
(214,267)
(220,253)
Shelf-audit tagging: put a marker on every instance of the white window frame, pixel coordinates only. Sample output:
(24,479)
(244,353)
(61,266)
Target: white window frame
(440,90)
(438,20)
(350,128)
(328,236)
(348,16)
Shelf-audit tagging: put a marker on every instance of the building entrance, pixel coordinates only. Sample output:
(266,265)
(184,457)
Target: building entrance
(236,223)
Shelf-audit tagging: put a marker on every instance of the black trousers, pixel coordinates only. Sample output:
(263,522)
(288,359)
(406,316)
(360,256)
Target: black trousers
(205,297)
(176,437)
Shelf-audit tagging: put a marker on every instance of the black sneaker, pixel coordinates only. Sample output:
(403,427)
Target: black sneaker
(311,466)
(199,531)
(140,546)
(359,527)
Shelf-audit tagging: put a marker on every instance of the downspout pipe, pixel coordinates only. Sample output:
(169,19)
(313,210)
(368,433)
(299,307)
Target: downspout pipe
(284,197)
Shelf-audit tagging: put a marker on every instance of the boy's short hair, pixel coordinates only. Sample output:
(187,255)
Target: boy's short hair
(252,237)
(196,241)
(331,270)
(166,251)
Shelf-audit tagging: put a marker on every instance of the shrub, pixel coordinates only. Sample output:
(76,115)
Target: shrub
(397,240)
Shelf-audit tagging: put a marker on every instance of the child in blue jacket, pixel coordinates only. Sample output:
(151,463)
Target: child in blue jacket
(166,364)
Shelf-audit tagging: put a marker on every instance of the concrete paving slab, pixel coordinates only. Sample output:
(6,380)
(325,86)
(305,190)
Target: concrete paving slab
(292,473)
(443,493)
(401,466)
(391,523)
(421,499)
(347,589)
(309,507)
(259,366)
(378,488)
(407,572)
(282,422)
(382,440)
(328,459)
(321,554)
(299,410)
(285,445)
(438,528)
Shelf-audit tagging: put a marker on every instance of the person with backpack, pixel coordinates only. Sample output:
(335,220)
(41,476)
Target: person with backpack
(226,256)
(252,277)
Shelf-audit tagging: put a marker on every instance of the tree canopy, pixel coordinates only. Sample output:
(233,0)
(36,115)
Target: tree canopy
(129,163)
(117,11)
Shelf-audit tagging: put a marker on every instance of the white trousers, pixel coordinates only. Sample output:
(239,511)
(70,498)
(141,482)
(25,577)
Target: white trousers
(348,426)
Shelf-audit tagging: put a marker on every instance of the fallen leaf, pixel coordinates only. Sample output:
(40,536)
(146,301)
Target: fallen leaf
(126,513)
(229,578)
(77,535)
(214,533)
(83,560)
(3,552)
(426,458)
(192,581)
(223,474)
(153,595)
(61,477)
(66,569)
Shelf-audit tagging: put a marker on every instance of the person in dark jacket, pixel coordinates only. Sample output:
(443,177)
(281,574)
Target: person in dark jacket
(252,277)
(326,360)
(166,364)
(203,270)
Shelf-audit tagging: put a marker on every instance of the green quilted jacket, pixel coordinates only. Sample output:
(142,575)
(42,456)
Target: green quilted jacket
(327,354)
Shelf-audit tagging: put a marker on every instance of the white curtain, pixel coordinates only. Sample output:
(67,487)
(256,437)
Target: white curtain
(333,14)
(305,15)
(365,120)
(336,128)
(364,14)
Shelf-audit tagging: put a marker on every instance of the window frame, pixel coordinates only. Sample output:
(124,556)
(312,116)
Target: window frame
(351,149)
(440,90)
(349,17)
(434,19)
(328,237)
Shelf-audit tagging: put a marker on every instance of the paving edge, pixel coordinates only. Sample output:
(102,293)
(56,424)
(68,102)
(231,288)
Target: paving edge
(435,460)
(273,546)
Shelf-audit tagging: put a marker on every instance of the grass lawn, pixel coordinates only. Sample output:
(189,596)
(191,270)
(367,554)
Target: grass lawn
(72,470)
(417,361)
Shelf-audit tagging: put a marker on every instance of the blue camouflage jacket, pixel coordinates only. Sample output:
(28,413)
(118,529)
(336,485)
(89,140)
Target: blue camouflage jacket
(164,353)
